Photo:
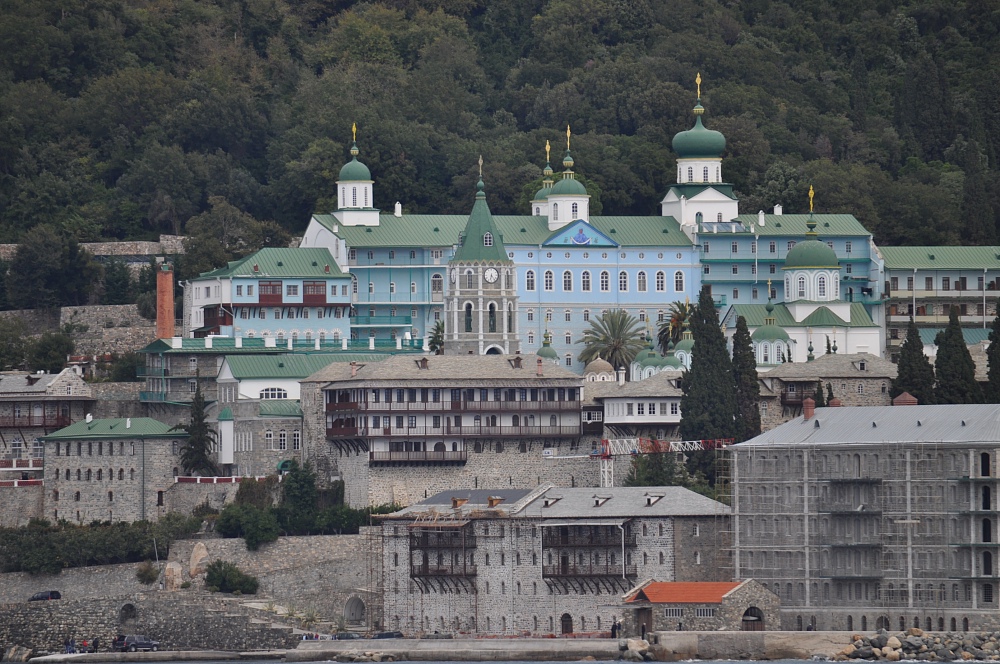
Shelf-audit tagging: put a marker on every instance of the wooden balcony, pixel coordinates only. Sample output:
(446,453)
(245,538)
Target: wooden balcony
(35,421)
(472,407)
(565,570)
(418,457)
(443,570)
(604,537)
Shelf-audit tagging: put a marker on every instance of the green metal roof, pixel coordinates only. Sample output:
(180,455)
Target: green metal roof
(281,262)
(941,258)
(425,230)
(769,333)
(756,313)
(249,367)
(357,350)
(280,408)
(972,335)
(568,187)
(355,171)
(691,189)
(811,254)
(481,240)
(699,141)
(225,415)
(827,225)
(136,427)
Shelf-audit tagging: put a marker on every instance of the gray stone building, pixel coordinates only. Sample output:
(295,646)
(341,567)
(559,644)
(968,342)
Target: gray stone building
(543,561)
(857,379)
(869,517)
(704,606)
(111,470)
(403,429)
(34,404)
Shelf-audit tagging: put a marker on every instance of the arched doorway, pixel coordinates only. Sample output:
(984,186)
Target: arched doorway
(354,611)
(494,350)
(882,622)
(753,620)
(439,447)
(127,616)
(566,623)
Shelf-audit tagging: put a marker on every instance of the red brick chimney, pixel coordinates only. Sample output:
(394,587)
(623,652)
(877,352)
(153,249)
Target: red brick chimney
(538,370)
(165,302)
(808,408)
(905,399)
(835,403)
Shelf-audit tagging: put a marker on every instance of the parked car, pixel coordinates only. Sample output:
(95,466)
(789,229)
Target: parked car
(388,635)
(45,595)
(134,642)
(347,636)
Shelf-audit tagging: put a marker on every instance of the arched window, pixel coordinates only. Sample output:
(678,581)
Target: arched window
(549,280)
(640,282)
(470,279)
(718,217)
(437,283)
(623,281)
(273,393)
(538,210)
(704,174)
(661,281)
(568,281)
(468,317)
(802,286)
(529,280)
(605,281)
(488,240)
(555,212)
(765,356)
(493,317)
(678,281)
(354,197)
(576,211)
(821,286)
(585,281)
(698,218)
(690,174)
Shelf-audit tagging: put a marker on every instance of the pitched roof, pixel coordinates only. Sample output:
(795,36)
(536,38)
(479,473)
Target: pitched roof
(481,241)
(280,408)
(439,230)
(657,385)
(822,317)
(827,225)
(13,383)
(255,346)
(972,335)
(281,262)
(941,258)
(120,427)
(883,425)
(690,592)
(299,365)
(621,502)
(405,370)
(834,365)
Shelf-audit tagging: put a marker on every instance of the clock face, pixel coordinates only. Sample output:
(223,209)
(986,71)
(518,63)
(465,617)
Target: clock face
(491,275)
(454,276)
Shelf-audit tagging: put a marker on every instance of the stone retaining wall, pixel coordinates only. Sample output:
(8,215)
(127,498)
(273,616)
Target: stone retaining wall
(110,328)
(168,245)
(75,583)
(18,505)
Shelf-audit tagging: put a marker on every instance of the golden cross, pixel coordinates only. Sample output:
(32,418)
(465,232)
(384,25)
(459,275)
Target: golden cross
(811,194)
(697,80)
(547,148)
(480,167)
(567,137)
(354,131)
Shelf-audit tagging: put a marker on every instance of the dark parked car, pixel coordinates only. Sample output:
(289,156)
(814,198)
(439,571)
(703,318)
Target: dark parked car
(388,635)
(134,642)
(45,595)
(347,636)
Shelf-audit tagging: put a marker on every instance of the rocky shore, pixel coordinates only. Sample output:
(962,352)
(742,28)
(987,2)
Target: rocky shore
(914,644)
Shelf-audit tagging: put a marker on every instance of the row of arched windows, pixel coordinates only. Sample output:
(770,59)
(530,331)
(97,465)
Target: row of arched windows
(354,196)
(548,281)
(575,211)
(88,475)
(704,174)
(818,287)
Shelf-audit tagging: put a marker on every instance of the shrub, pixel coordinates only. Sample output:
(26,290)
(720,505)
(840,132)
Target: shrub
(147,573)
(186,585)
(228,578)
(255,526)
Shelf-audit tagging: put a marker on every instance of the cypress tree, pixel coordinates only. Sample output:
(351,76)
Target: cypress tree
(955,370)
(747,386)
(992,394)
(196,453)
(709,400)
(914,373)
(818,396)
(829,394)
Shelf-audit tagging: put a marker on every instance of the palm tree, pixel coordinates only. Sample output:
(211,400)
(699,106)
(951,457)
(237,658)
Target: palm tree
(436,342)
(674,327)
(616,336)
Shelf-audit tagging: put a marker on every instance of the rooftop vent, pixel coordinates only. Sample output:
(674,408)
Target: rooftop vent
(493,501)
(280,264)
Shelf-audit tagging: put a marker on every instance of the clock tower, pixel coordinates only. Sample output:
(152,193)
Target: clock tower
(481,304)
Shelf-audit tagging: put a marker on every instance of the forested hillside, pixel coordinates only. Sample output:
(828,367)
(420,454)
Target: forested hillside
(126,119)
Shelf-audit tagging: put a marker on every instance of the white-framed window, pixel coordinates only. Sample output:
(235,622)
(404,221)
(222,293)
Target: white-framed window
(568,315)
(802,286)
(568,338)
(586,315)
(529,280)
(661,282)
(296,440)
(705,612)
(392,287)
(269,439)
(531,315)
(605,281)
(549,280)
(292,290)
(585,281)
(282,440)
(678,281)
(273,393)
(568,281)
(623,281)
(488,240)
(640,282)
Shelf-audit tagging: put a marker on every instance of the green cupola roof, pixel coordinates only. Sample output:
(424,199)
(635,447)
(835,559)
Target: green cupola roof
(812,253)
(481,241)
(649,357)
(769,331)
(354,170)
(569,185)
(699,142)
(546,351)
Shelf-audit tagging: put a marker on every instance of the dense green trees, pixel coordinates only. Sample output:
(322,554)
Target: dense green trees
(915,374)
(120,120)
(954,368)
(991,391)
(196,453)
(747,386)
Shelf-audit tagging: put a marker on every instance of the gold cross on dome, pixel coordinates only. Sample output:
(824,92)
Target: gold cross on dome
(480,167)
(567,137)
(697,80)
(547,148)
(354,131)
(811,194)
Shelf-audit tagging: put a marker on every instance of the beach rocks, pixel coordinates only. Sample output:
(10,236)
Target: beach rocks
(363,656)
(921,646)
(16,654)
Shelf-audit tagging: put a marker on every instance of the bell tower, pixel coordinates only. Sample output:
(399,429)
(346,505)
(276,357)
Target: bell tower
(481,304)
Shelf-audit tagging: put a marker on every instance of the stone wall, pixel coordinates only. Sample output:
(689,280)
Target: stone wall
(702,549)
(320,573)
(19,504)
(113,400)
(184,497)
(75,583)
(168,245)
(111,328)
(176,621)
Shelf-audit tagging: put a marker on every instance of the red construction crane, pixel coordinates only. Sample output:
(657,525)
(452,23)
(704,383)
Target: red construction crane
(610,448)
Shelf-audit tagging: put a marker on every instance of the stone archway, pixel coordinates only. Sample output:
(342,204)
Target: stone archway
(354,611)
(753,620)
(128,616)
(566,623)
(494,350)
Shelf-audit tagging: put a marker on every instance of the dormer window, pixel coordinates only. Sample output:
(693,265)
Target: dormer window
(600,500)
(549,501)
(862,365)
(488,240)
(653,498)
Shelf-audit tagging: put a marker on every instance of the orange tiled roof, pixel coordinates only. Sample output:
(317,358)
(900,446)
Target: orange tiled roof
(701,592)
